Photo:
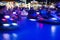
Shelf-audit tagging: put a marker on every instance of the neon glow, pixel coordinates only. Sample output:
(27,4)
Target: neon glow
(53,28)
(15,35)
(11,19)
(14,12)
(14,24)
(52,6)
(7,16)
(6,25)
(32,19)
(4,19)
(6,36)
(38,13)
(54,18)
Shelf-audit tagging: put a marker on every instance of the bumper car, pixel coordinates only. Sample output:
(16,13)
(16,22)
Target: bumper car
(32,14)
(8,23)
(52,19)
(57,5)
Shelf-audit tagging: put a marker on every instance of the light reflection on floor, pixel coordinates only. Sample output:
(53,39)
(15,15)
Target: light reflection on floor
(7,36)
(32,30)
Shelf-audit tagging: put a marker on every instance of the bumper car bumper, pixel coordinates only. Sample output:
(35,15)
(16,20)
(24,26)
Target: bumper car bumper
(7,26)
(50,21)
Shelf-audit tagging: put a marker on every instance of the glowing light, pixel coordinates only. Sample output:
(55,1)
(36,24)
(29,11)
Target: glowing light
(14,24)
(17,4)
(46,6)
(4,19)
(53,28)
(38,13)
(32,19)
(59,6)
(6,36)
(52,6)
(15,35)
(14,12)
(6,25)
(54,18)
(40,5)
(11,19)
(7,16)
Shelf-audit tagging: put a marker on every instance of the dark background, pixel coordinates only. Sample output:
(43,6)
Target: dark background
(45,0)
(36,0)
(31,0)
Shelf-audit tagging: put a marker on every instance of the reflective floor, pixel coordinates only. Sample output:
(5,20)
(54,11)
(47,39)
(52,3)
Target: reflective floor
(32,30)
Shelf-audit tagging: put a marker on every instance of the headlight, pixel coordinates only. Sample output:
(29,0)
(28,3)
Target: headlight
(7,16)
(14,12)
(6,25)
(14,24)
(54,18)
(40,5)
(52,6)
(32,19)
(38,13)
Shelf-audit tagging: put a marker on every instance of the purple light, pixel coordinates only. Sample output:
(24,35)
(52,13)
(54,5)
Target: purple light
(6,36)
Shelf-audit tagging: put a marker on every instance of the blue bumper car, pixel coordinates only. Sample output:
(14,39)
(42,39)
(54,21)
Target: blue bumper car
(50,17)
(8,23)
